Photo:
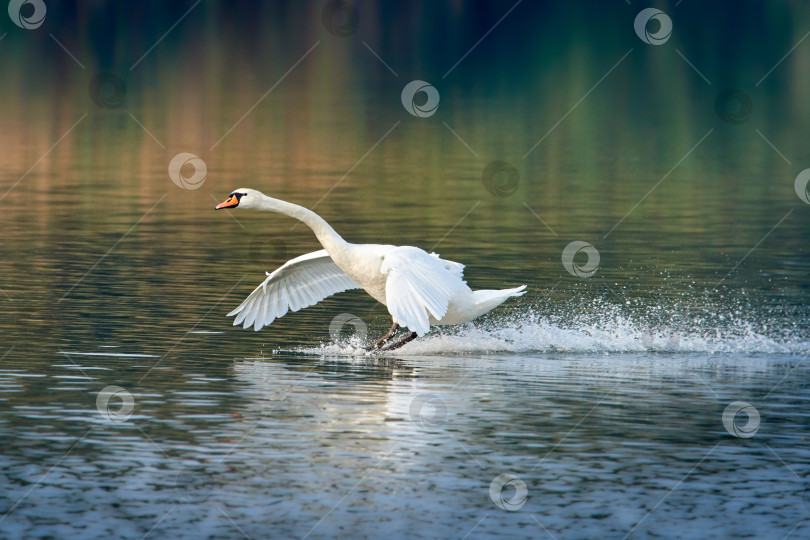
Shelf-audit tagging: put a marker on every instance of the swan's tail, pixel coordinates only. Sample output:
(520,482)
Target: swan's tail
(488,299)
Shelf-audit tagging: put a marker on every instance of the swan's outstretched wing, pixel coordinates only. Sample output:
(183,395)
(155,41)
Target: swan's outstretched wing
(419,283)
(299,283)
(453,266)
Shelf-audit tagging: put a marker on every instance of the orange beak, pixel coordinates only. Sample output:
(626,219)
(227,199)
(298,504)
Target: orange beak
(230,202)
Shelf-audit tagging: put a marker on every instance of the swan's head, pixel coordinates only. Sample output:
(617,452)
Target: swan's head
(242,198)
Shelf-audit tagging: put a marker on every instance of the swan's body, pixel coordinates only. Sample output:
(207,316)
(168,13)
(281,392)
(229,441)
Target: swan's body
(419,289)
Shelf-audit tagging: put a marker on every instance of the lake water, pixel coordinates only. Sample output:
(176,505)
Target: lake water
(652,383)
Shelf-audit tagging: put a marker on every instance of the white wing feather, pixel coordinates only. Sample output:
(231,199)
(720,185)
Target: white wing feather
(299,283)
(418,284)
(455,267)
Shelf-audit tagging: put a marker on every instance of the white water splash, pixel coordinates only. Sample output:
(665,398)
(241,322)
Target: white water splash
(606,330)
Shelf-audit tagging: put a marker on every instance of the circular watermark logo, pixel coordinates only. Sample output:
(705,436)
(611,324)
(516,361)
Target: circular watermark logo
(500,491)
(733,106)
(422,109)
(802,187)
(428,411)
(653,26)
(744,431)
(580,270)
(187,171)
(267,250)
(107,90)
(28,14)
(340,18)
(118,411)
(339,322)
(500,178)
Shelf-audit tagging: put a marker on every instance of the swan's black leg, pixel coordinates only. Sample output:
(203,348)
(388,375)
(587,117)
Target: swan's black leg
(412,336)
(380,342)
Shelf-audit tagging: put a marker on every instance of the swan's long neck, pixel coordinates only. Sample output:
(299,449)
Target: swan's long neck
(326,235)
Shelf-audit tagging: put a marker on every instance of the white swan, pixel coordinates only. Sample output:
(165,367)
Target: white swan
(419,289)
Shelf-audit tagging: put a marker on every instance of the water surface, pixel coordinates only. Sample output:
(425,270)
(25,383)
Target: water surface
(603,396)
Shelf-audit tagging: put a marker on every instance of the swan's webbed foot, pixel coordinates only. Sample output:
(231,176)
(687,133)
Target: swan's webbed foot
(412,336)
(388,335)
